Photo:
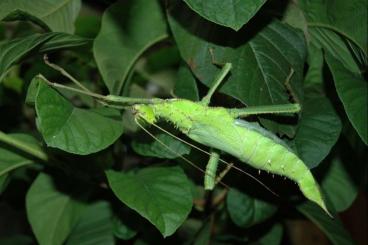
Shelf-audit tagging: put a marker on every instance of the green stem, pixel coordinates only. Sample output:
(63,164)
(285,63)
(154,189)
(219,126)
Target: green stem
(219,78)
(269,109)
(24,147)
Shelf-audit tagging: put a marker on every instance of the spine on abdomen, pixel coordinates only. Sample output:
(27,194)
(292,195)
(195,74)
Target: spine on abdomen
(263,153)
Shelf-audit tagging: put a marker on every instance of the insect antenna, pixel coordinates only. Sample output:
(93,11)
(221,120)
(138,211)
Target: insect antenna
(230,165)
(172,151)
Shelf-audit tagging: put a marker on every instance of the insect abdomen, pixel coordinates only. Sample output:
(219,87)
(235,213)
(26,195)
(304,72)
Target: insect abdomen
(263,153)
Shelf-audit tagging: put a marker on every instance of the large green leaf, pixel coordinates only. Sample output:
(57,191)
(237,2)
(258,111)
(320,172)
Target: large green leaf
(58,15)
(246,211)
(333,228)
(352,90)
(72,129)
(339,186)
(157,149)
(319,129)
(51,212)
(341,17)
(314,75)
(335,45)
(261,62)
(11,158)
(94,226)
(330,28)
(13,51)
(63,40)
(162,195)
(128,29)
(233,14)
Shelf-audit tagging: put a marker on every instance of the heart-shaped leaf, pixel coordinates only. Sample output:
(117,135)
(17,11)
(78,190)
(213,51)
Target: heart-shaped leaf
(128,28)
(78,131)
(233,14)
(162,195)
(51,212)
(94,226)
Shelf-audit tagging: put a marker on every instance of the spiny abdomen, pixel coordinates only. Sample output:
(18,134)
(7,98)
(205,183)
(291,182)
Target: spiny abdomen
(264,153)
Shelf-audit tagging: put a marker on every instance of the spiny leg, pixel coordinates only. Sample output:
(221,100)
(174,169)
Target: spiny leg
(271,109)
(268,109)
(219,78)
(211,170)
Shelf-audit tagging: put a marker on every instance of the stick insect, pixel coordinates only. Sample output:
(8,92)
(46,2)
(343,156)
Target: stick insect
(221,129)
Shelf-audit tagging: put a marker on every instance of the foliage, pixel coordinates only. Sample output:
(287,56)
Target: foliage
(89,175)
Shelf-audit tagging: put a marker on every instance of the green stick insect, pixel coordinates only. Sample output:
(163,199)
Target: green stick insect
(222,129)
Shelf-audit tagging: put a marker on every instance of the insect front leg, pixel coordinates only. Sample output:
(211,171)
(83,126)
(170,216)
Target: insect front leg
(219,78)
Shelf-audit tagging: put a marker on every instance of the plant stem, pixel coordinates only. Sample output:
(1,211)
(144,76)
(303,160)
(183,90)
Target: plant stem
(22,146)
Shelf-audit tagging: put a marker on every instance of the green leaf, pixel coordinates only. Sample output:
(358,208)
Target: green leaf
(339,186)
(272,237)
(51,213)
(246,211)
(294,16)
(128,29)
(156,149)
(11,158)
(233,14)
(13,51)
(352,90)
(186,86)
(315,66)
(335,45)
(58,15)
(62,41)
(94,226)
(319,129)
(162,195)
(75,130)
(261,62)
(121,230)
(333,228)
(340,16)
